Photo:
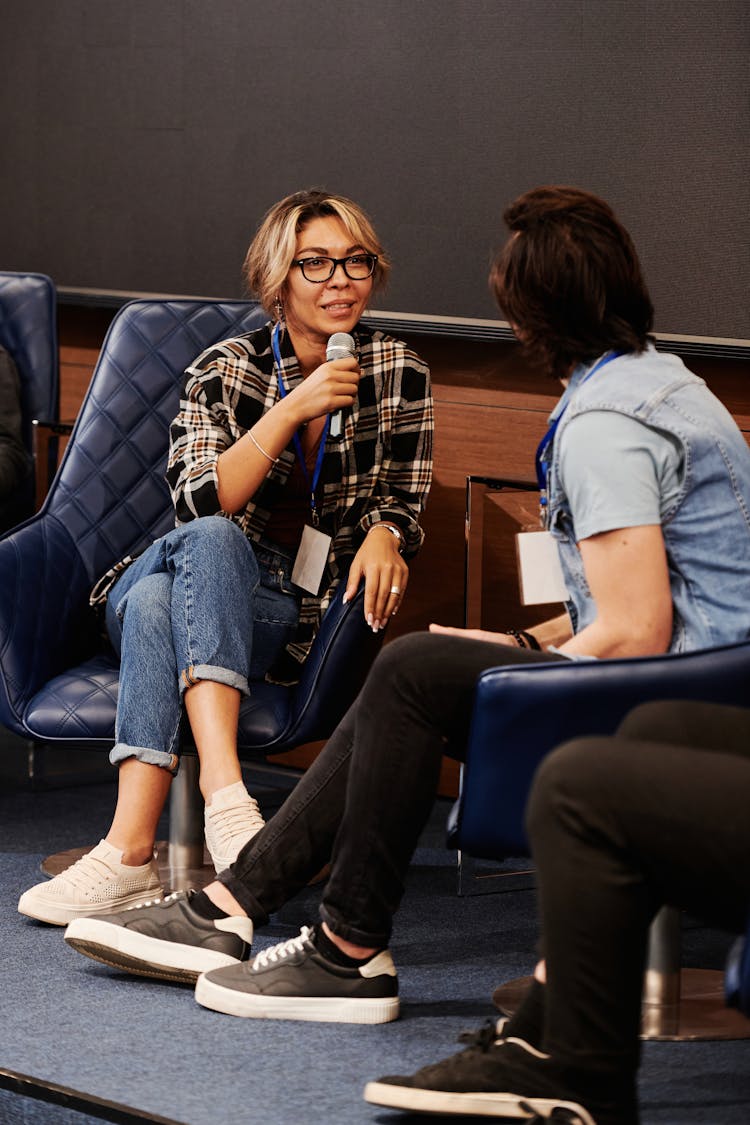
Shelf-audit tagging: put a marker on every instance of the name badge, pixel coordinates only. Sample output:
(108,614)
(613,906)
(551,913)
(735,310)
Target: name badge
(311,559)
(539,569)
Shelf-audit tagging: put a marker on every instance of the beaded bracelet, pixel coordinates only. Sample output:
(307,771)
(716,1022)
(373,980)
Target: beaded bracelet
(524,639)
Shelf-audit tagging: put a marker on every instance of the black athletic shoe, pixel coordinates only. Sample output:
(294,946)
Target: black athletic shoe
(164,939)
(507,1079)
(294,981)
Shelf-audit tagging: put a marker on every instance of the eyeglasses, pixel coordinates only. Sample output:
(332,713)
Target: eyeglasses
(357,267)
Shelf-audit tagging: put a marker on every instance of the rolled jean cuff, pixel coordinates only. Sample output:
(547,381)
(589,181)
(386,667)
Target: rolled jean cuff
(365,938)
(194,673)
(120,752)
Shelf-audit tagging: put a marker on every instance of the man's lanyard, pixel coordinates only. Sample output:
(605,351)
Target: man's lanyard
(543,458)
(311,484)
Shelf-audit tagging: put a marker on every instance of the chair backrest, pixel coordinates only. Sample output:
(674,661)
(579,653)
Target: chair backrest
(28,330)
(522,712)
(110,493)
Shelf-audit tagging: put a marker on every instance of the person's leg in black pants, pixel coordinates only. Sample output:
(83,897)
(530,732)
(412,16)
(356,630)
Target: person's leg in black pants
(364,801)
(619,827)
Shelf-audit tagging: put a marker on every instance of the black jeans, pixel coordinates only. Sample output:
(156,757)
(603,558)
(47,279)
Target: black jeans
(655,815)
(364,801)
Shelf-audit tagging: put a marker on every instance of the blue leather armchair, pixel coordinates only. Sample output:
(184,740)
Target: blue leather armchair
(28,331)
(520,715)
(523,712)
(58,678)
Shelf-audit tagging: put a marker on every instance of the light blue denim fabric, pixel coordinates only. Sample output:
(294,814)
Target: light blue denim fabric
(707,527)
(201,603)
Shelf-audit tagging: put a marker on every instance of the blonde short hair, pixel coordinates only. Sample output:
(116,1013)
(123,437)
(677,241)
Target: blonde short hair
(271,253)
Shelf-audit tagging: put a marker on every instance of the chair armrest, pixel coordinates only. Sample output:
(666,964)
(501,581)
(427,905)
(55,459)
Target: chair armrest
(43,604)
(335,669)
(522,712)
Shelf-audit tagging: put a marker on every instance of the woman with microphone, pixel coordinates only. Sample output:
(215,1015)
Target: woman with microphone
(272,514)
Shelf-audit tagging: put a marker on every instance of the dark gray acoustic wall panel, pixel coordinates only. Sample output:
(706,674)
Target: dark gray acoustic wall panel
(143,139)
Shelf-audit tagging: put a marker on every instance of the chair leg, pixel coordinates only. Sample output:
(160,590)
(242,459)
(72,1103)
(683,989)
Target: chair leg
(683,1004)
(185,863)
(678,1004)
(483,877)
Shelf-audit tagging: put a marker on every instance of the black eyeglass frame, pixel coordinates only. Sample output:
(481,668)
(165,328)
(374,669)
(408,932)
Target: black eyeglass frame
(334,263)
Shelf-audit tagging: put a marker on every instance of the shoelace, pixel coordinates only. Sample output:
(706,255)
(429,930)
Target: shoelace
(156,901)
(282,950)
(86,868)
(560,1114)
(230,821)
(483,1038)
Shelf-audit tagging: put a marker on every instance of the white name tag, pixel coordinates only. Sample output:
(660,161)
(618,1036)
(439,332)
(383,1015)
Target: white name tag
(539,569)
(311,559)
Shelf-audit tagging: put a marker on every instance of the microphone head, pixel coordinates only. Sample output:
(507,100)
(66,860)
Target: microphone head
(339,346)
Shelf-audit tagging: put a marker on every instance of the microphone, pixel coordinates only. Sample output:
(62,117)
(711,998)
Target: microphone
(339,346)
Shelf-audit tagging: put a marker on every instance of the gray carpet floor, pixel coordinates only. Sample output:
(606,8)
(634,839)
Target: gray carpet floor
(70,1021)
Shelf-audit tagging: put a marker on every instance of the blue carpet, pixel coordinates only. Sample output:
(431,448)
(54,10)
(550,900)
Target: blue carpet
(122,1039)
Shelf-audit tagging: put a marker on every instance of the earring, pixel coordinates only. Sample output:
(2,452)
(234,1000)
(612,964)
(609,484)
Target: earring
(278,309)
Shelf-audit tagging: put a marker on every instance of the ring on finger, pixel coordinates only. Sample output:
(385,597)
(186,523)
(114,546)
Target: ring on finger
(395,589)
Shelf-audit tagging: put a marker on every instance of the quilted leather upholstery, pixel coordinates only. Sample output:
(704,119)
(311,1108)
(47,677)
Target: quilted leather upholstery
(58,681)
(28,330)
(521,713)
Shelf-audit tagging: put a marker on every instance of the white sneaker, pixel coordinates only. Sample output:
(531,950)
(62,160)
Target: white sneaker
(98,883)
(232,818)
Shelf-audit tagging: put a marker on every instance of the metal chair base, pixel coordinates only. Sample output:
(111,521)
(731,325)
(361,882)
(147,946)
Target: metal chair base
(699,1014)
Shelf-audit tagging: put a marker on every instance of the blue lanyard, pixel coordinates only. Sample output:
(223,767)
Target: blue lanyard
(311,484)
(544,449)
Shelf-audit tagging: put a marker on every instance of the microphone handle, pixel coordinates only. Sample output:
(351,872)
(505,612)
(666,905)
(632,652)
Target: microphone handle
(338,351)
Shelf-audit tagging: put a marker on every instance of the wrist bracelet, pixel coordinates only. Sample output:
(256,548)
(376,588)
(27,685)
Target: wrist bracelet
(524,639)
(260,448)
(395,531)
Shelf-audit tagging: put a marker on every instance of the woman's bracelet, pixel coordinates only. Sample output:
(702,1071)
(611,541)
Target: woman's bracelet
(524,639)
(260,448)
(395,531)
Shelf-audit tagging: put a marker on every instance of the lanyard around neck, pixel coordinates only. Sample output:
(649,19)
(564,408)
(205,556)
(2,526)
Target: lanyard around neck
(544,449)
(311,484)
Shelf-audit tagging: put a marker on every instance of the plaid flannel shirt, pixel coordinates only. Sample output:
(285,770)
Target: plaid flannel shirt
(380,470)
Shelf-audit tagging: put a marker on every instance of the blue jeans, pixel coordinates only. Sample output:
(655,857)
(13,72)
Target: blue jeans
(201,603)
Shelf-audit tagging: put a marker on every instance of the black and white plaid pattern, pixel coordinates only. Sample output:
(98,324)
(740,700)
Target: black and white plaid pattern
(381,470)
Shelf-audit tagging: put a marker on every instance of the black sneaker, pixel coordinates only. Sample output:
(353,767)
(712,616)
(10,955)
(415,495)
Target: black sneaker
(294,981)
(503,1078)
(166,939)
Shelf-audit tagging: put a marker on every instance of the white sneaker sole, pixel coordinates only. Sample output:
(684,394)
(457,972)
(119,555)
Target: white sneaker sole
(479,1105)
(145,956)
(61,915)
(316,1009)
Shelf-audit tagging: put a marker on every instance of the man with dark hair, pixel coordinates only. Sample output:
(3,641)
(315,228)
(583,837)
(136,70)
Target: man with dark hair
(645,479)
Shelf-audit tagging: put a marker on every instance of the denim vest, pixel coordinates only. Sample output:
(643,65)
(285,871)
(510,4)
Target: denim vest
(707,529)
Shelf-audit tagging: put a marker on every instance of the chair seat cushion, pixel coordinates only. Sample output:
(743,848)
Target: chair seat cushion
(80,704)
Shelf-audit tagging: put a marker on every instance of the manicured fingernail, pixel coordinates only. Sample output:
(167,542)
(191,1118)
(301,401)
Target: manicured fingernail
(345,599)
(369,619)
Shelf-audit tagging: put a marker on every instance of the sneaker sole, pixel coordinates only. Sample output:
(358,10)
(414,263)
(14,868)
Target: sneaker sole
(477,1104)
(316,1009)
(62,915)
(145,956)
